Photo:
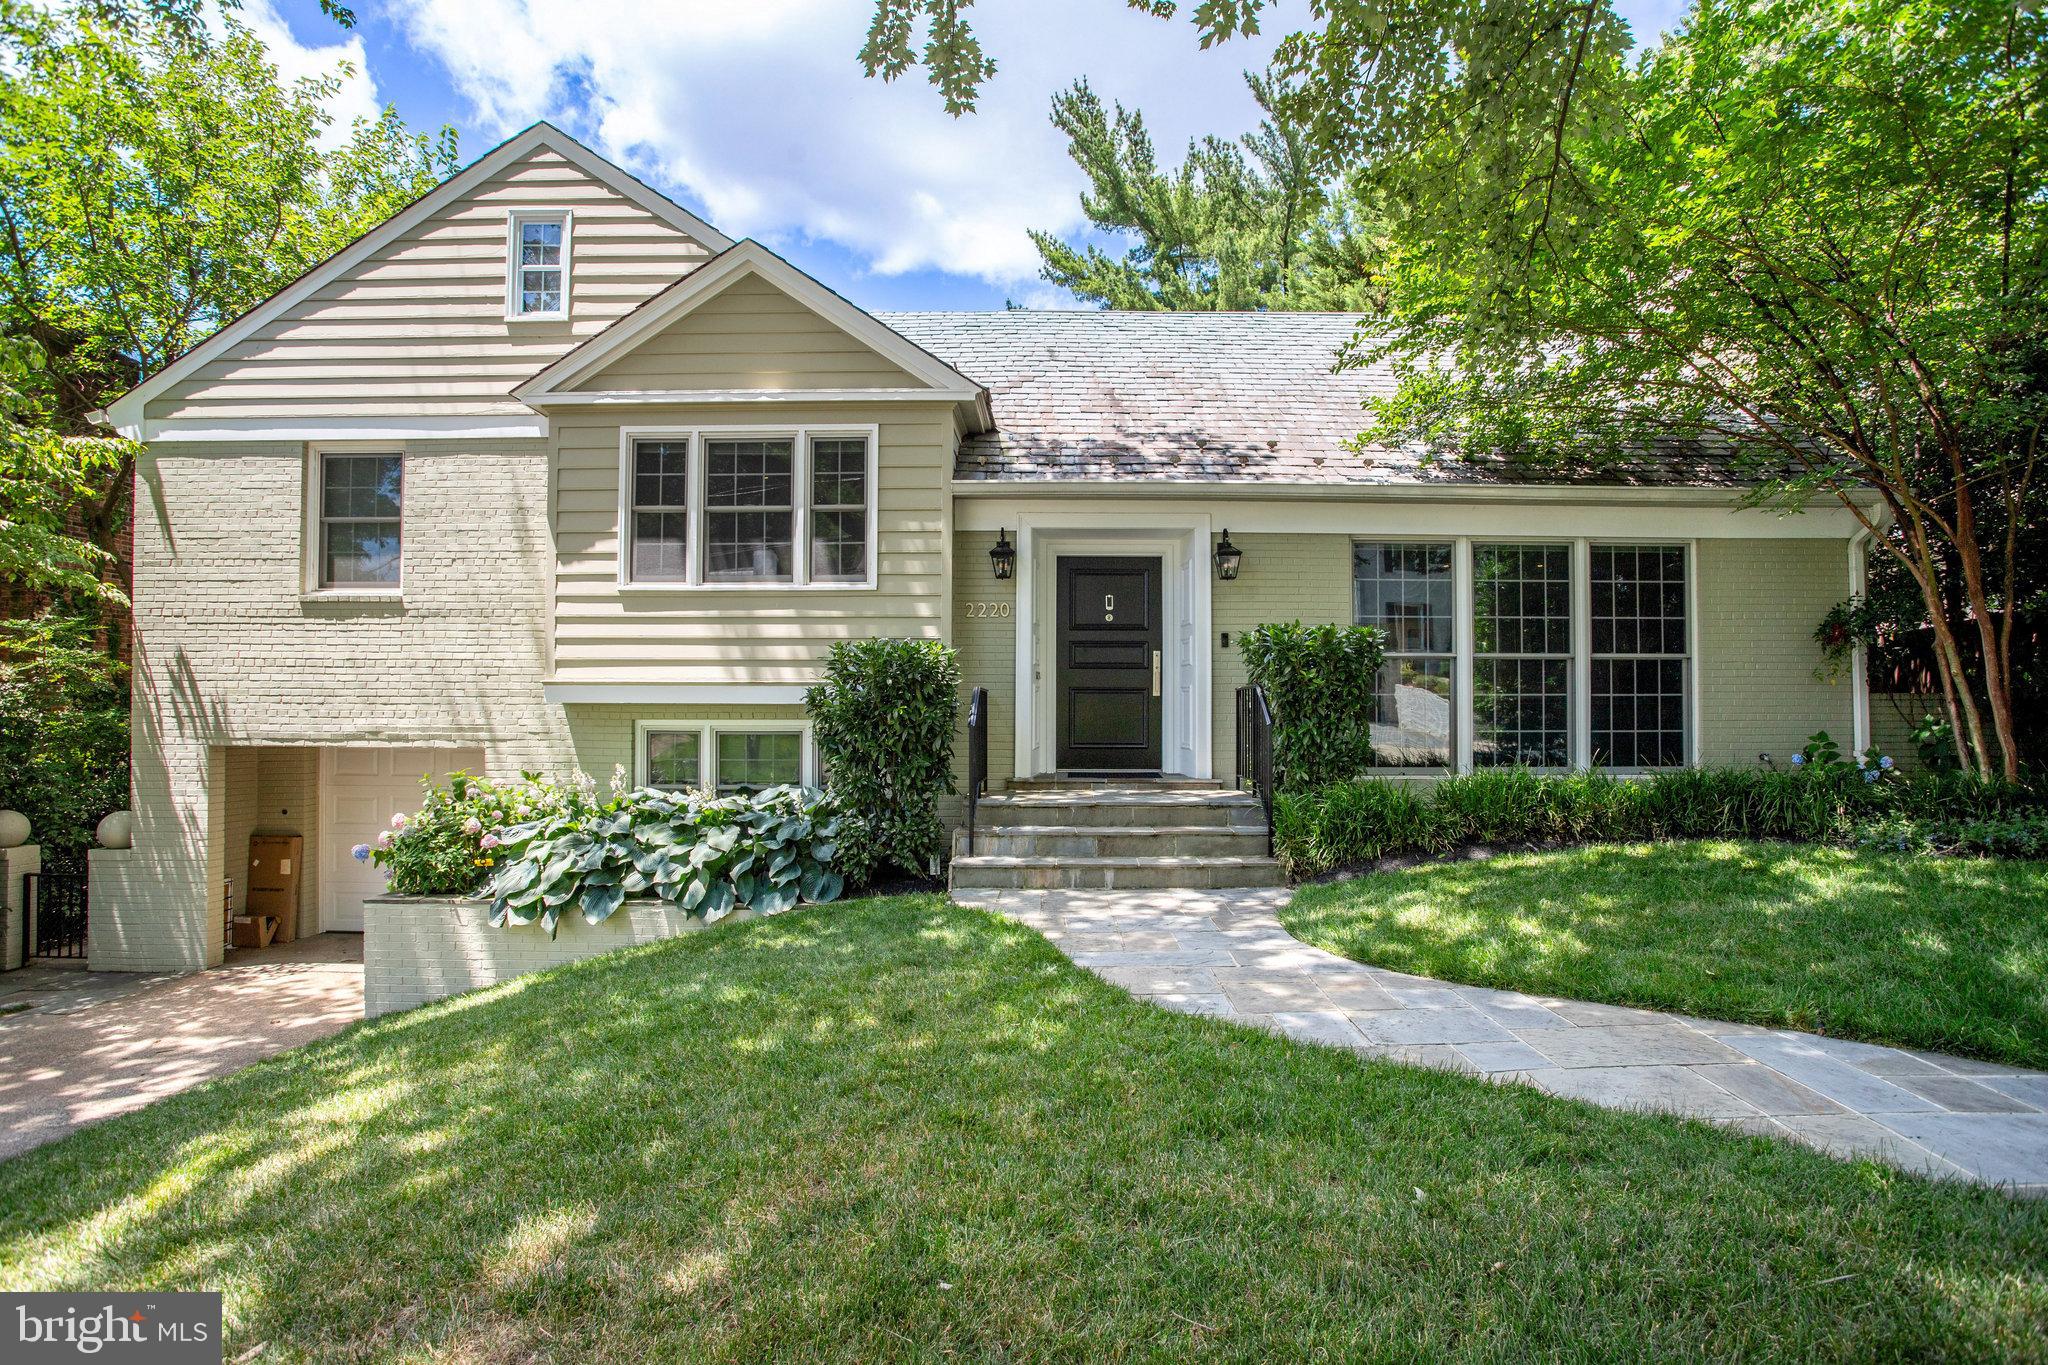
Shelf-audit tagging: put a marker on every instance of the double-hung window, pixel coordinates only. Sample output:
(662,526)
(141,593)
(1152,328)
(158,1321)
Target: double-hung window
(749,511)
(661,509)
(538,284)
(724,758)
(361,499)
(743,507)
(1522,655)
(1408,590)
(839,509)
(1640,657)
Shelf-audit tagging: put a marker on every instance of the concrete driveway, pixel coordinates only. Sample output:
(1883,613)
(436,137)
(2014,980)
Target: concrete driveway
(78,1047)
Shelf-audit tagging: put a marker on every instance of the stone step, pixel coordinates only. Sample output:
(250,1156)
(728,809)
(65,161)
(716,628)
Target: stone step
(1123,806)
(1093,784)
(994,872)
(1115,841)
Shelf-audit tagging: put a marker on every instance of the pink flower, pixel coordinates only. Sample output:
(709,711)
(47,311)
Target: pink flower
(398,820)
(490,841)
(383,838)
(472,826)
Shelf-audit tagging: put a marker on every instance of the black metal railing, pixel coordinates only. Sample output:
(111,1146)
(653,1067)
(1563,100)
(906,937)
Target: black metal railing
(55,922)
(1255,751)
(977,758)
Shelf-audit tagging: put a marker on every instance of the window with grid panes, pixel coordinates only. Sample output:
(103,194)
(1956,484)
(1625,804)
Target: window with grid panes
(1522,655)
(1640,656)
(1406,589)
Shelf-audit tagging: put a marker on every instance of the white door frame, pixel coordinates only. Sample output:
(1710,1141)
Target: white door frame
(1181,541)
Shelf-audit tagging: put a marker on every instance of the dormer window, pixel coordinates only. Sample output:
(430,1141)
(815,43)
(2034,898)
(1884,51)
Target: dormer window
(538,285)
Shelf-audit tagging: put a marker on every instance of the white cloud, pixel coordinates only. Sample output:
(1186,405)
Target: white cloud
(294,60)
(759,110)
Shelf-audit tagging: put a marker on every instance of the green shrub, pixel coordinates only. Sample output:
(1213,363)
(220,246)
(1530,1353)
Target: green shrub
(63,762)
(1321,682)
(2012,835)
(883,715)
(1356,822)
(450,846)
(765,851)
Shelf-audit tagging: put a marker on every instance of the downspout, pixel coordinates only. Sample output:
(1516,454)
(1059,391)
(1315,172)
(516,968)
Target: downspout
(1859,663)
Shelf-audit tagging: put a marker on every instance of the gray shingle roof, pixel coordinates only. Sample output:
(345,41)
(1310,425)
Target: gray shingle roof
(1194,397)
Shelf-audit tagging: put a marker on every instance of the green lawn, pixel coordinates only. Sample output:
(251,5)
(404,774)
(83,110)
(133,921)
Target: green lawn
(897,1128)
(1950,954)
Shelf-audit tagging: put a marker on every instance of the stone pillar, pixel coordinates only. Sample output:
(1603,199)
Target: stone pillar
(15,864)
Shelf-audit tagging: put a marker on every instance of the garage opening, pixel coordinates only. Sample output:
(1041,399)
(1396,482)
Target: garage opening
(293,814)
(360,790)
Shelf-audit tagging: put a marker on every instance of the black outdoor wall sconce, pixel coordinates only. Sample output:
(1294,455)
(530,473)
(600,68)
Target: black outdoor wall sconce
(1228,557)
(1004,555)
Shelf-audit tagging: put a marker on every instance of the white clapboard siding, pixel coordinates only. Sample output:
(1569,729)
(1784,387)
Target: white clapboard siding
(419,328)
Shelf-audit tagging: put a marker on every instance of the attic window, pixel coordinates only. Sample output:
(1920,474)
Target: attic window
(537,285)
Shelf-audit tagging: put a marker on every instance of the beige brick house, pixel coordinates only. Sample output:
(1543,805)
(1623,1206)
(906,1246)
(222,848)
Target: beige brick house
(546,473)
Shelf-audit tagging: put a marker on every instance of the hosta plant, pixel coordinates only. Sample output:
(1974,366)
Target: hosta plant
(707,856)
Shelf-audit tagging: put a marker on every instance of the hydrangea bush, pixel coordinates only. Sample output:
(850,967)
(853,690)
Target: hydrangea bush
(449,847)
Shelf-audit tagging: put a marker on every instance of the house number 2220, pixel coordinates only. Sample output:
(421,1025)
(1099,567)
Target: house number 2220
(988,608)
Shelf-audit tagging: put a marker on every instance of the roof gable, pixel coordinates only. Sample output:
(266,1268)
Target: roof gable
(345,285)
(745,322)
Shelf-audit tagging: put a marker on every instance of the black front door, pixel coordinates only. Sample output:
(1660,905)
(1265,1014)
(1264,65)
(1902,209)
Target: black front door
(1110,639)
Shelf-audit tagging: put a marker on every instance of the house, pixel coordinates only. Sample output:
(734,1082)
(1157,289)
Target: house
(545,473)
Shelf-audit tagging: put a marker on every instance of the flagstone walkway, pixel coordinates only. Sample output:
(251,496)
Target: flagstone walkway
(1225,953)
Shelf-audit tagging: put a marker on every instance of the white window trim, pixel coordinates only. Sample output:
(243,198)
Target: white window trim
(800,434)
(516,219)
(313,568)
(1461,742)
(707,732)
(1464,632)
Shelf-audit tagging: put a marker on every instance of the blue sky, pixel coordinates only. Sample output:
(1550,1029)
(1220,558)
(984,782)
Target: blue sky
(754,114)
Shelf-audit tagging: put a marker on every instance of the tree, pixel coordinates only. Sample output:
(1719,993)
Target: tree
(156,179)
(1812,234)
(1239,224)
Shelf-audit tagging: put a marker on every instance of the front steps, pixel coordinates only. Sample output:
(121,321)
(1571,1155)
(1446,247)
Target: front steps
(1061,834)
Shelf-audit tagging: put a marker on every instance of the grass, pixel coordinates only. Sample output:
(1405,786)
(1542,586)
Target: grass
(1949,954)
(900,1129)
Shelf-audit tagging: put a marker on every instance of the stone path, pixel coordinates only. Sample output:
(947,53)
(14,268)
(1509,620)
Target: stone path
(1225,953)
(89,1045)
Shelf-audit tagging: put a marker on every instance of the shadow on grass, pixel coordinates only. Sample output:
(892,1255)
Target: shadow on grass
(899,1128)
(1950,954)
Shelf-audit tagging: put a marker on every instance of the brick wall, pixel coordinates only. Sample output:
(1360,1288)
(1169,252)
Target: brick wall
(230,652)
(1304,578)
(419,950)
(1759,601)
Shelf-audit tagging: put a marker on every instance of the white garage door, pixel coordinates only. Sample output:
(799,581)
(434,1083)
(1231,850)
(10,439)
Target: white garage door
(361,789)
